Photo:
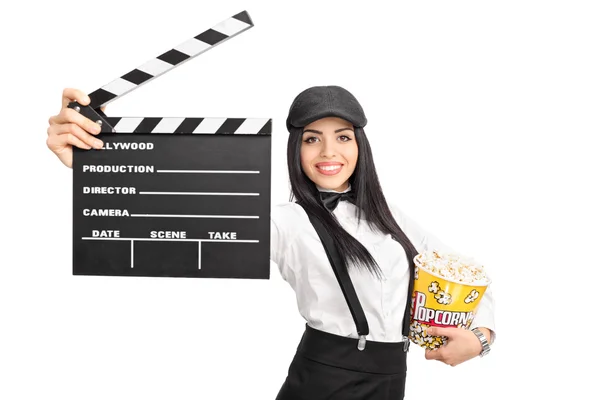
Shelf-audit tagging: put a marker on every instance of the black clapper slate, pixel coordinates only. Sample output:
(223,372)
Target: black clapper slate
(190,196)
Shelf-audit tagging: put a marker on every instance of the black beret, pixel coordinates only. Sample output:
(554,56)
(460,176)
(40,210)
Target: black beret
(325,101)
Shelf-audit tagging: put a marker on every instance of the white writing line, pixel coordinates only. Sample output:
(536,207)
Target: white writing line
(193,216)
(202,193)
(192,171)
(171,240)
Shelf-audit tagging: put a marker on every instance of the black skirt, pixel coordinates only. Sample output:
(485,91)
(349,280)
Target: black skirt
(331,367)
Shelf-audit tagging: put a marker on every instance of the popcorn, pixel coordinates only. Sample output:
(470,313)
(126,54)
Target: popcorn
(452,267)
(420,338)
(447,291)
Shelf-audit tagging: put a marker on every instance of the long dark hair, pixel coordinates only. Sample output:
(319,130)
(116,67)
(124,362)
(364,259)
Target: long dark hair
(370,202)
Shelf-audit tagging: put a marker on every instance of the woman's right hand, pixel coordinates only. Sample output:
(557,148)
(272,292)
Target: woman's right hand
(69,128)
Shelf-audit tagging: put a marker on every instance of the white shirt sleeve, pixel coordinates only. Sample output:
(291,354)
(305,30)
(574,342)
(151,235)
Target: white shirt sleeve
(425,241)
(280,236)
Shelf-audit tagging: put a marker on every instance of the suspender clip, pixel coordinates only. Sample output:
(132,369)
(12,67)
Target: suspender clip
(362,342)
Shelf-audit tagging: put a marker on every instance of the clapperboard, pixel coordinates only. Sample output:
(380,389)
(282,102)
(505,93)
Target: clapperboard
(173,197)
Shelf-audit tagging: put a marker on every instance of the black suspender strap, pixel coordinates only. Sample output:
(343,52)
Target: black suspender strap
(411,285)
(343,278)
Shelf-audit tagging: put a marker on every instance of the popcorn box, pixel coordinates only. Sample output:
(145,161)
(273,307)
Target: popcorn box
(447,292)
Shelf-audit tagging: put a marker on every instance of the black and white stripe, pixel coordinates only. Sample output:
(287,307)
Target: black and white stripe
(167,61)
(175,125)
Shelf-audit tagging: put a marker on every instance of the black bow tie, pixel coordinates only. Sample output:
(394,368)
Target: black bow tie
(331,199)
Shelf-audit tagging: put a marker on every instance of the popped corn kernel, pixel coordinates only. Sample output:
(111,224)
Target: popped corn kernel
(452,267)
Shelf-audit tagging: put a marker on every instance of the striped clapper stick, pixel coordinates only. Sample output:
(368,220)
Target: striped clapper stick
(173,197)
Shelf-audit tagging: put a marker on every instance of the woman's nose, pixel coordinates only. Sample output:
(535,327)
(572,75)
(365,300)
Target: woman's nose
(328,148)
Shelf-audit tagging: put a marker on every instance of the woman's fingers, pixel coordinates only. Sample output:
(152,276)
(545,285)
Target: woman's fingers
(69,128)
(70,94)
(72,140)
(62,146)
(63,131)
(70,116)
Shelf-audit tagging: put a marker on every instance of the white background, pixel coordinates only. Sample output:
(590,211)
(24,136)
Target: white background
(483,119)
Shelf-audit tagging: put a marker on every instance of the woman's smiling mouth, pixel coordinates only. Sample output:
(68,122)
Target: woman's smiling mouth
(329,168)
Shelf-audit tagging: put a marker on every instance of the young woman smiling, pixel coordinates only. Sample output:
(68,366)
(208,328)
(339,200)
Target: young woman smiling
(346,253)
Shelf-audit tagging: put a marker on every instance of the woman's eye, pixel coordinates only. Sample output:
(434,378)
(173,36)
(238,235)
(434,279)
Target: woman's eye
(313,139)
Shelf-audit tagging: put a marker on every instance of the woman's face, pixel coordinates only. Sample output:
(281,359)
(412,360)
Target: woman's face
(329,152)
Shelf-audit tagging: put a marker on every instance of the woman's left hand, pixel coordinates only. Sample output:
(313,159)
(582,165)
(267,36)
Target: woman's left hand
(462,345)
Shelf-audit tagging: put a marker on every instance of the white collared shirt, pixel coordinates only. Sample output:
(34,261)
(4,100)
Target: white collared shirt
(303,263)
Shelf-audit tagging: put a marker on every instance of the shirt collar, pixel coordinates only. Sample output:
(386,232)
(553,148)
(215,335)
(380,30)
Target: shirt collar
(334,191)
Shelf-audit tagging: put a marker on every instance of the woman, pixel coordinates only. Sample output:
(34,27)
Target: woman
(344,251)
